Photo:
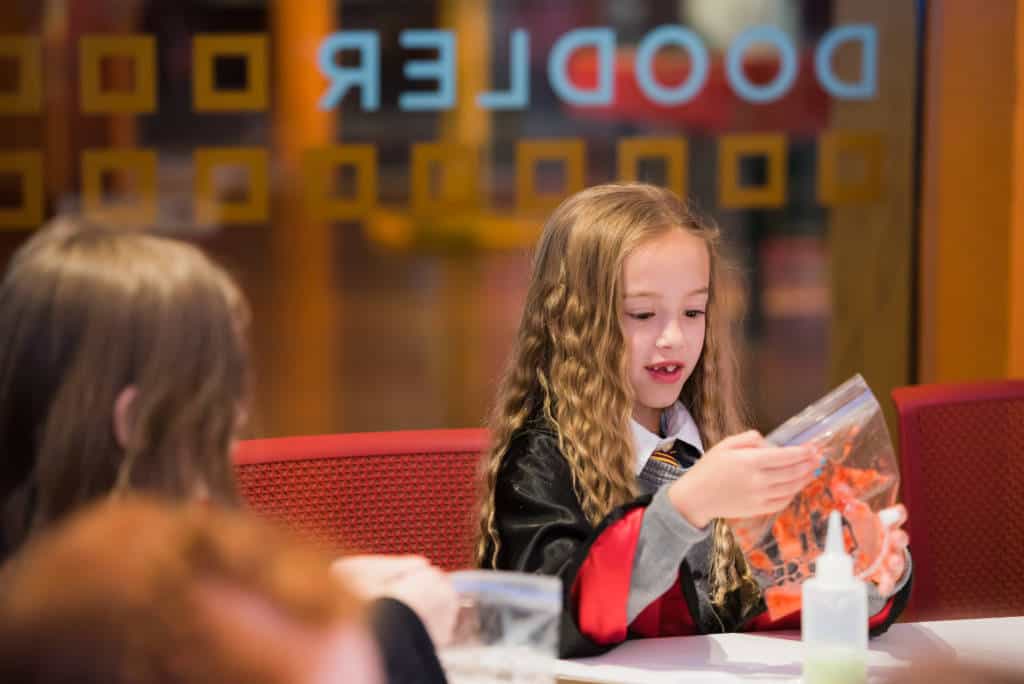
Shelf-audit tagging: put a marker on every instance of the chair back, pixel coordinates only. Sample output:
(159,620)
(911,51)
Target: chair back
(386,492)
(962,472)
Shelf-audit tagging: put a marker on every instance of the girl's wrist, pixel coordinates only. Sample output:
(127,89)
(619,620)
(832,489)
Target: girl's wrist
(687,500)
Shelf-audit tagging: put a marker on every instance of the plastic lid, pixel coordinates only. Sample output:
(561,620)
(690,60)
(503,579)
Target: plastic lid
(835,566)
(523,590)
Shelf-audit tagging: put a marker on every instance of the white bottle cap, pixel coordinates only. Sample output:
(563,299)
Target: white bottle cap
(835,566)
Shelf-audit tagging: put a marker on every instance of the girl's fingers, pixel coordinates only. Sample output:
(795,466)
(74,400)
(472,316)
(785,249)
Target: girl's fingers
(893,516)
(896,564)
(380,567)
(783,494)
(776,458)
(898,539)
(885,582)
(775,503)
(795,478)
(750,438)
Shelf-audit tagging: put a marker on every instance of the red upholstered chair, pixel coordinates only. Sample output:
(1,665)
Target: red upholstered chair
(384,492)
(962,470)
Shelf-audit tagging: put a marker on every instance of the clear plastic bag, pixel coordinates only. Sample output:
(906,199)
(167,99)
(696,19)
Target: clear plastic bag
(859,478)
(506,629)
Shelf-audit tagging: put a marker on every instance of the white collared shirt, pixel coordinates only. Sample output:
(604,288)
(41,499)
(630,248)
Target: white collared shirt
(677,423)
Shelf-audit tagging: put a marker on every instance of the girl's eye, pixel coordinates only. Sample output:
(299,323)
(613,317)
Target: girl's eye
(641,316)
(694,313)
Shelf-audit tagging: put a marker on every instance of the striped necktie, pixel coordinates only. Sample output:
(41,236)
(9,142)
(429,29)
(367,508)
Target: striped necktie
(665,466)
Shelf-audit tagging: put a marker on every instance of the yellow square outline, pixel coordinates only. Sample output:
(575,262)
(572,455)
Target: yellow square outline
(141,164)
(571,151)
(141,49)
(28,52)
(211,211)
(460,178)
(674,150)
(206,48)
(869,147)
(732,195)
(29,165)
(316,172)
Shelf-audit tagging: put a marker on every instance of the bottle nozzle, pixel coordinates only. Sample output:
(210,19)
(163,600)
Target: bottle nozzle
(834,539)
(835,565)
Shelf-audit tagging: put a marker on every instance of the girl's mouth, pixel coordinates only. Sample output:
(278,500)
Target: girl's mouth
(666,372)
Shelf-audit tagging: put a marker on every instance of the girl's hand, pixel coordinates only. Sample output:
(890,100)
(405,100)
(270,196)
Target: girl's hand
(412,580)
(431,595)
(742,476)
(894,559)
(370,575)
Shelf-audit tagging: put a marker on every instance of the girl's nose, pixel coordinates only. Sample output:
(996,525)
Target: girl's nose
(671,336)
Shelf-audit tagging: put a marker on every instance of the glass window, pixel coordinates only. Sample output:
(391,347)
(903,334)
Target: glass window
(376,172)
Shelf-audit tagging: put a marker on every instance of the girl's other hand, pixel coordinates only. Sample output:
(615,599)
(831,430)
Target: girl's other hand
(425,588)
(743,475)
(894,559)
(369,575)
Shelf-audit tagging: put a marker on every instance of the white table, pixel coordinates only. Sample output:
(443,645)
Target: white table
(776,656)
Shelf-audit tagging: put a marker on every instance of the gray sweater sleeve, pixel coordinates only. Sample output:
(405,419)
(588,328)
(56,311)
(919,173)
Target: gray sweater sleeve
(665,537)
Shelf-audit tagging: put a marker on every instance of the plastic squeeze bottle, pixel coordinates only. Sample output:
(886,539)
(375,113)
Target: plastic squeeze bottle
(834,621)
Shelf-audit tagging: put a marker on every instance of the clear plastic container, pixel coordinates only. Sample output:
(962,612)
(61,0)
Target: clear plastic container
(506,630)
(834,622)
(859,477)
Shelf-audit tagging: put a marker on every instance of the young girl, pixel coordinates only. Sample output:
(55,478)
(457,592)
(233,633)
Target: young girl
(124,368)
(623,370)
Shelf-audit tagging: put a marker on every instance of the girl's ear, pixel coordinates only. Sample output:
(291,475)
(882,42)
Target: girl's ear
(201,493)
(123,415)
(241,419)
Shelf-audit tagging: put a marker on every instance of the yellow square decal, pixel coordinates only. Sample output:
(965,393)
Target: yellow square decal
(206,49)
(138,168)
(568,151)
(672,150)
(732,194)
(27,97)
(318,170)
(835,150)
(28,166)
(211,207)
(141,50)
(459,170)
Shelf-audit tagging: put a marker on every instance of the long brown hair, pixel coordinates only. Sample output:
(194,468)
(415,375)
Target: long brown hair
(569,362)
(84,313)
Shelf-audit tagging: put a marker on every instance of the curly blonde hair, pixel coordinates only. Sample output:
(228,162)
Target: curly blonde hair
(569,360)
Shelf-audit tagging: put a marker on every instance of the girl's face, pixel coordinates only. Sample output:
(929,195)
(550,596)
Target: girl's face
(665,295)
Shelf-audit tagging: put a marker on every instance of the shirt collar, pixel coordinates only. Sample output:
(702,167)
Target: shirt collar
(676,423)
